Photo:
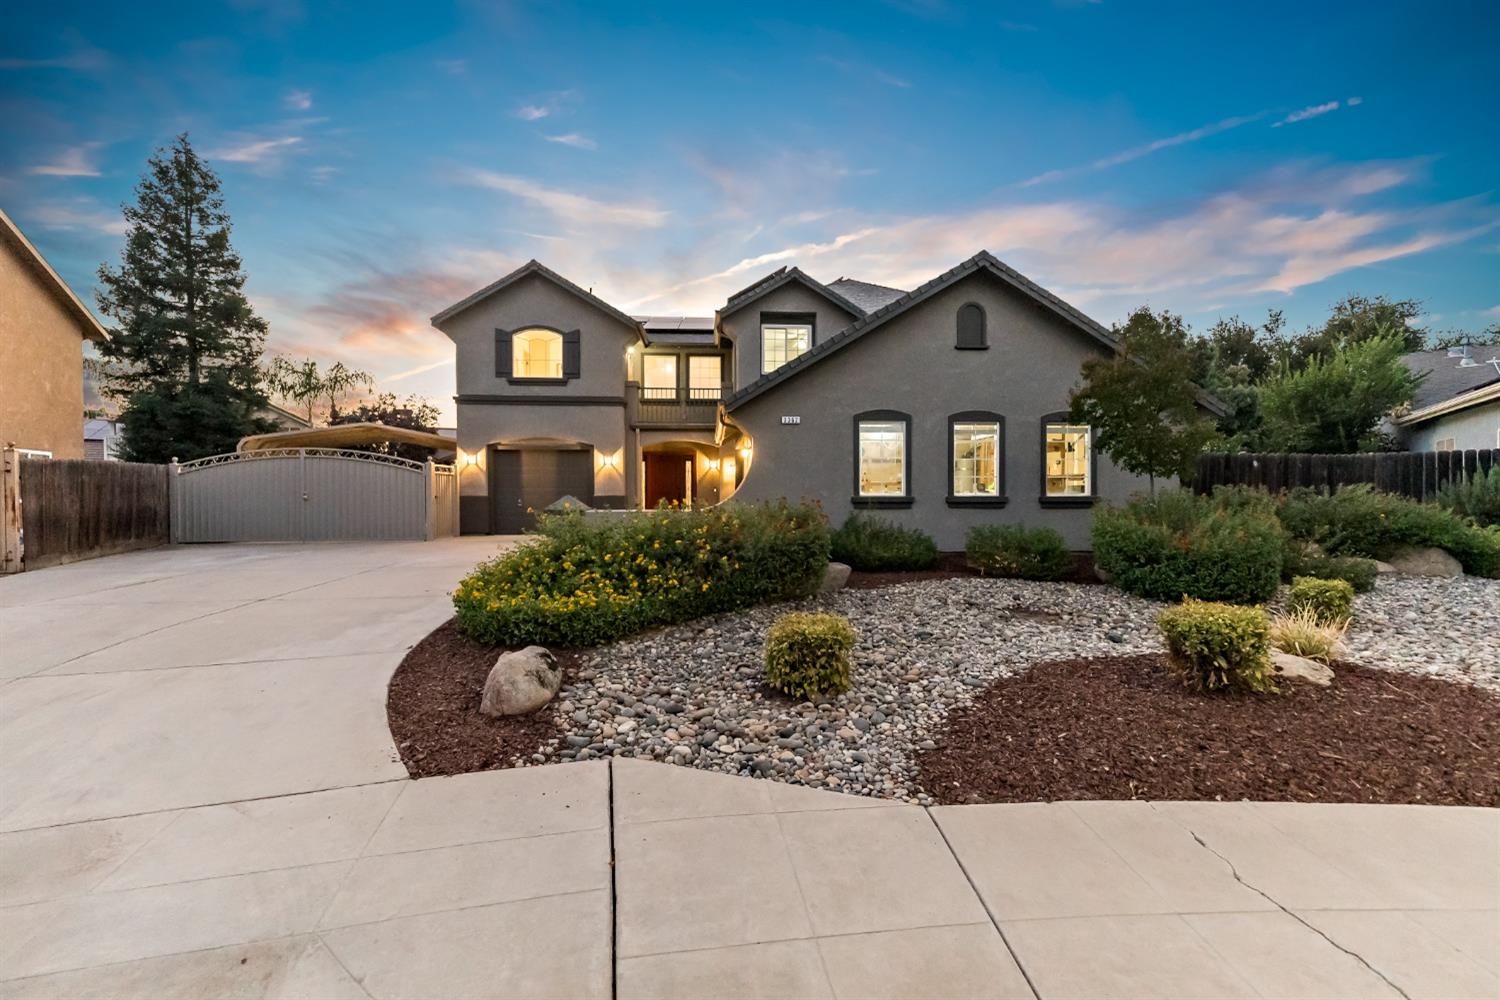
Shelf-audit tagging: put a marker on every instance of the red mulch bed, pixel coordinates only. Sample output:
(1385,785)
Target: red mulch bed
(433,709)
(951,565)
(1124,728)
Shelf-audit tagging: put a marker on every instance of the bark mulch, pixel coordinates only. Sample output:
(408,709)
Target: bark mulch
(1125,728)
(433,709)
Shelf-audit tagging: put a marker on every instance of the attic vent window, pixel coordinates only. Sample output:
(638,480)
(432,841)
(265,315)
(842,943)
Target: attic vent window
(972,335)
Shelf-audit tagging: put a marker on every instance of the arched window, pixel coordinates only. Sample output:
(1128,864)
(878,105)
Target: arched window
(971,331)
(536,353)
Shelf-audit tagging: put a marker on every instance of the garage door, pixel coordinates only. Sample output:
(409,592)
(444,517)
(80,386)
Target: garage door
(533,479)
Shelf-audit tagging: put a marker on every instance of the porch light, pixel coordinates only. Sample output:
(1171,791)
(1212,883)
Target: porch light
(470,457)
(712,465)
(606,460)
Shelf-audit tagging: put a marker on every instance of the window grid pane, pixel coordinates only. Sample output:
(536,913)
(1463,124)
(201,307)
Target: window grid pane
(976,459)
(780,344)
(660,376)
(1067,458)
(705,376)
(536,354)
(882,458)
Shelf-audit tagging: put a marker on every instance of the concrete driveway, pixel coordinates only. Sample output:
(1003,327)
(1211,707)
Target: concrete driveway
(199,797)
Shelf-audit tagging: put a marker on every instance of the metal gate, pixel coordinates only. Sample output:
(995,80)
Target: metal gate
(311,495)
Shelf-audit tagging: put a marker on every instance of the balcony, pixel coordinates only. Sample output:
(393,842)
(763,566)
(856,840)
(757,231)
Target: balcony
(677,407)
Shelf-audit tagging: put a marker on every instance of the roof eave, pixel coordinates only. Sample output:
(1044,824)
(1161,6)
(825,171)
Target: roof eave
(89,325)
(1453,404)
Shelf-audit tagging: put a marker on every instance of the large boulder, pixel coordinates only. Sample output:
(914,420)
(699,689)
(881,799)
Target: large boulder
(1300,668)
(834,578)
(521,682)
(1425,562)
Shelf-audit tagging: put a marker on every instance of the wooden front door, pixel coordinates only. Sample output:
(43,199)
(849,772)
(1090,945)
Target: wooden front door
(669,478)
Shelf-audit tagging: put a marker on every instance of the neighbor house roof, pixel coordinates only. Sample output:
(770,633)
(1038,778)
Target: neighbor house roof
(1448,375)
(529,268)
(88,325)
(780,277)
(867,295)
(345,435)
(982,261)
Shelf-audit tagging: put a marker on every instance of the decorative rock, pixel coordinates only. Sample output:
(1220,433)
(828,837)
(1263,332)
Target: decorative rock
(1383,567)
(1425,562)
(520,682)
(1300,668)
(834,578)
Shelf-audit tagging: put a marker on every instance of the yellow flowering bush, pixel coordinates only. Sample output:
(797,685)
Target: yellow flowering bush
(588,580)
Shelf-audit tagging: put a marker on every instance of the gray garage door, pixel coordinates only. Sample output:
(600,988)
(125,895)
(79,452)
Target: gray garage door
(523,481)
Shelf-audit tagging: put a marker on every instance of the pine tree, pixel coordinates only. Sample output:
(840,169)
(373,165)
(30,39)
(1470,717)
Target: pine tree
(185,346)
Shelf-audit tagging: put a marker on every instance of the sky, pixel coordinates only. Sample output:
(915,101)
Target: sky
(381,161)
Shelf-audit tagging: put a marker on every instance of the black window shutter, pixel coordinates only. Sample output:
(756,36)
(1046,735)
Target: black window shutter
(502,354)
(572,355)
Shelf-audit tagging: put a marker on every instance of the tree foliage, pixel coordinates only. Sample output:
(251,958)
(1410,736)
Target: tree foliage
(1336,404)
(307,384)
(185,342)
(1142,403)
(415,414)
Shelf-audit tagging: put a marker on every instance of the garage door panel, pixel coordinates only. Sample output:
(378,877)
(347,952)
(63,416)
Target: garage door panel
(525,481)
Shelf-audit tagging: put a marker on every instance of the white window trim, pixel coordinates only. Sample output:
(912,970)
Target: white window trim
(766,367)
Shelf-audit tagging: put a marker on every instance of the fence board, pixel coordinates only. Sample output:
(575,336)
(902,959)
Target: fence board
(1417,474)
(78,509)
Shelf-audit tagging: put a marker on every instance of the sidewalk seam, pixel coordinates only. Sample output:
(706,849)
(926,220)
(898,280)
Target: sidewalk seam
(614,902)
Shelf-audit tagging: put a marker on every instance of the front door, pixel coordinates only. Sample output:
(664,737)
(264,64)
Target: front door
(526,482)
(669,478)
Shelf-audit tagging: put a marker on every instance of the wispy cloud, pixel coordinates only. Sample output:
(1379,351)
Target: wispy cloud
(864,71)
(298,100)
(532,112)
(80,58)
(75,161)
(1316,111)
(256,151)
(545,106)
(1146,149)
(78,215)
(566,205)
(1493,312)
(573,139)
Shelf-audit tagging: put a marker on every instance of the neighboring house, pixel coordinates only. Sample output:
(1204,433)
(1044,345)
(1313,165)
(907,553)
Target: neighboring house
(942,407)
(284,419)
(102,439)
(1457,403)
(43,326)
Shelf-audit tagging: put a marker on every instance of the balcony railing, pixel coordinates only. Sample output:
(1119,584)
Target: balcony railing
(678,407)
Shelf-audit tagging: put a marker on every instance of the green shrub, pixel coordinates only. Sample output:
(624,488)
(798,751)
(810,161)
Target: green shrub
(875,545)
(1013,550)
(1331,601)
(807,654)
(587,580)
(1358,573)
(1218,646)
(1228,547)
(1358,521)
(1475,497)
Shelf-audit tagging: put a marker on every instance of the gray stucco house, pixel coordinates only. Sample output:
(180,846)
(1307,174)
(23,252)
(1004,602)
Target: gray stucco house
(941,407)
(1457,404)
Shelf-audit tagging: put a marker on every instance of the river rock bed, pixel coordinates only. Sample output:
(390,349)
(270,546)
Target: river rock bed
(1433,626)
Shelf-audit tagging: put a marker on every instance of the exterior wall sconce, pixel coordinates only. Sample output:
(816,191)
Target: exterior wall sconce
(471,458)
(712,465)
(606,460)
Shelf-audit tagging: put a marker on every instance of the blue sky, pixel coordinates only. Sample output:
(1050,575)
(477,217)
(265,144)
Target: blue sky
(381,161)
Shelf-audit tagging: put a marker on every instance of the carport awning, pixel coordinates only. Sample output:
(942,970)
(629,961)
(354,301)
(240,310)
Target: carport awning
(346,435)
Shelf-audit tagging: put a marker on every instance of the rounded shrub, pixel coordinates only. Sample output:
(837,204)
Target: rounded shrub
(1360,521)
(874,544)
(1011,550)
(807,654)
(1217,647)
(1357,572)
(1329,601)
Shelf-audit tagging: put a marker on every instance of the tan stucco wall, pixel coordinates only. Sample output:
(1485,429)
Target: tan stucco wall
(41,363)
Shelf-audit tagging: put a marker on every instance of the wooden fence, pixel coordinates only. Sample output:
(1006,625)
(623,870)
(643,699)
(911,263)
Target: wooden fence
(1417,474)
(77,509)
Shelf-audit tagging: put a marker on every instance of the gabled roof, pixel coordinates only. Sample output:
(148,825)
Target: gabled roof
(529,268)
(982,261)
(866,294)
(779,277)
(1447,375)
(89,327)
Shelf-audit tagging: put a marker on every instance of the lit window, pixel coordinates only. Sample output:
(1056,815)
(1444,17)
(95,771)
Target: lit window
(536,354)
(660,376)
(783,342)
(705,376)
(882,458)
(1443,444)
(1067,459)
(976,459)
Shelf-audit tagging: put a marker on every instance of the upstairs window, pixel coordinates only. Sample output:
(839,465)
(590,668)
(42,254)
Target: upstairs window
(659,376)
(536,354)
(977,442)
(1067,459)
(705,376)
(882,457)
(781,342)
(972,335)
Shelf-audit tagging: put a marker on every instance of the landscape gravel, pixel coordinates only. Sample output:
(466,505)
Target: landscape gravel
(693,694)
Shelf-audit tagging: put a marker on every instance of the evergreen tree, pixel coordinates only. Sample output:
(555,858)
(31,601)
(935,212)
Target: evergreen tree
(1336,404)
(185,343)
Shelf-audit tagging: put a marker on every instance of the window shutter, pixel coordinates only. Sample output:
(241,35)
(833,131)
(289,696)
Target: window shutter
(572,355)
(503,355)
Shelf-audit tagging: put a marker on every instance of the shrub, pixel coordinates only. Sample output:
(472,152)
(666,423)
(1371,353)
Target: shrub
(1227,547)
(1013,550)
(1329,601)
(874,545)
(1302,633)
(587,580)
(1218,646)
(1358,573)
(1475,497)
(807,654)
(1358,521)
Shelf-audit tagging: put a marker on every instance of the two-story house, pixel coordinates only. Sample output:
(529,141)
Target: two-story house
(942,407)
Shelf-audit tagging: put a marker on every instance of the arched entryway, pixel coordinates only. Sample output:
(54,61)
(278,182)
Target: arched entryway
(669,476)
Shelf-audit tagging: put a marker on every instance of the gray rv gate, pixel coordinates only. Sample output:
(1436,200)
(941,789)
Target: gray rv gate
(311,495)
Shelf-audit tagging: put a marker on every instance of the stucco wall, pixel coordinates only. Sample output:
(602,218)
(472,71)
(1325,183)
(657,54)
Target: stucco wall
(483,424)
(743,325)
(1474,428)
(911,364)
(41,367)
